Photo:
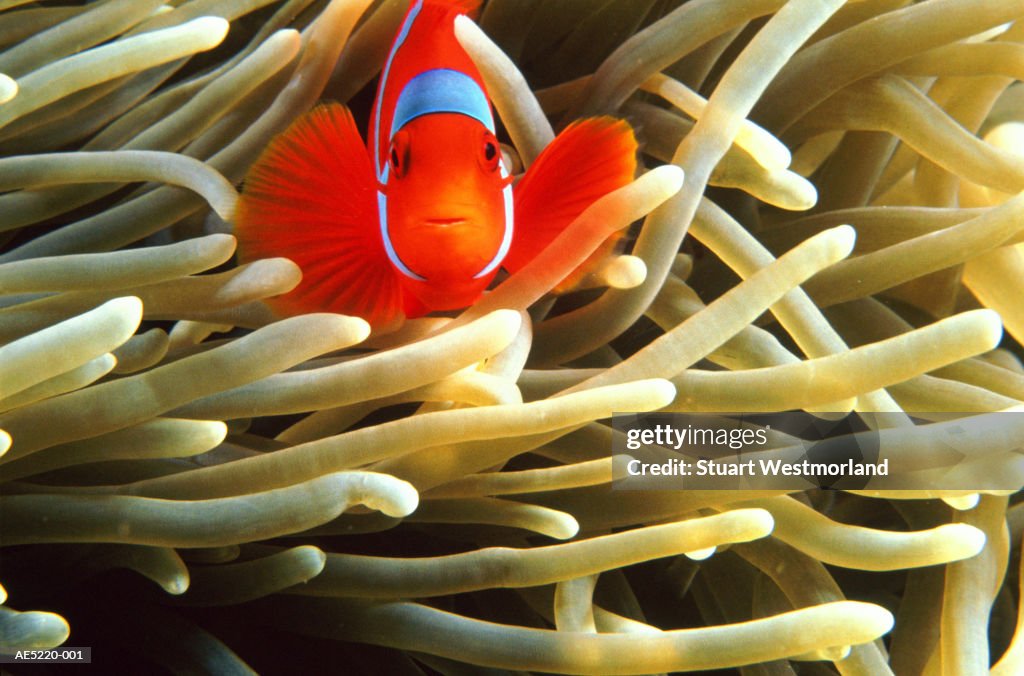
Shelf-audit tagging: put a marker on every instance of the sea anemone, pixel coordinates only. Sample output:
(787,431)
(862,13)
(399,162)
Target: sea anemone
(829,218)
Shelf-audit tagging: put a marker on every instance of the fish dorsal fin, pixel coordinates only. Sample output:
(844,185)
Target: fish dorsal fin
(311,197)
(588,160)
(470,7)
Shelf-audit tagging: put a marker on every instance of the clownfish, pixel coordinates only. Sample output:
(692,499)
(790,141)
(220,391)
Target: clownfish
(423,216)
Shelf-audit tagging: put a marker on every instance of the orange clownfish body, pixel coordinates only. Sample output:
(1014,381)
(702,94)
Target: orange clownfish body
(424,216)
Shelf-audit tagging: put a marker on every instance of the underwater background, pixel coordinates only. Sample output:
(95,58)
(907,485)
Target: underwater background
(191,483)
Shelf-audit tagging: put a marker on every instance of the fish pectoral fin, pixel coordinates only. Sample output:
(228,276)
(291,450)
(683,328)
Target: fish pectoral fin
(589,159)
(311,197)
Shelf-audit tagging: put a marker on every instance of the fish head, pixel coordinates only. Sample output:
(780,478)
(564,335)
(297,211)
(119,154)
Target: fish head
(448,203)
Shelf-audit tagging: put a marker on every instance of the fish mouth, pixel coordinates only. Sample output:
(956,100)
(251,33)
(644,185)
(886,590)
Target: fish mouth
(456,220)
(446,224)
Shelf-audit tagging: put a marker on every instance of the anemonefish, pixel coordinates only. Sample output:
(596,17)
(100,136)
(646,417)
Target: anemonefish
(422,218)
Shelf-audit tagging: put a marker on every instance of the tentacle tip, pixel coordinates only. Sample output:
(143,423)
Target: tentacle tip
(177,585)
(360,329)
(315,557)
(671,178)
(464,26)
(50,629)
(565,529)
(805,195)
(129,307)
(966,539)
(962,503)
(874,620)
(289,36)
(663,392)
(626,272)
(284,272)
(8,88)
(884,619)
(402,501)
(762,521)
(837,653)
(222,240)
(213,28)
(701,554)
(842,238)
(346,330)
(507,321)
(217,432)
(990,325)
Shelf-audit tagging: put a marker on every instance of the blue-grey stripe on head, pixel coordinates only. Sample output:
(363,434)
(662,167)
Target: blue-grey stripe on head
(442,90)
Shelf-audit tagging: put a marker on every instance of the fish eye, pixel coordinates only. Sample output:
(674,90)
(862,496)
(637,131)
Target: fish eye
(398,156)
(489,152)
